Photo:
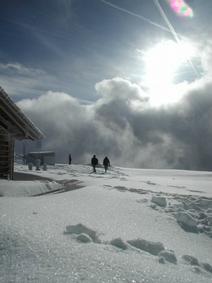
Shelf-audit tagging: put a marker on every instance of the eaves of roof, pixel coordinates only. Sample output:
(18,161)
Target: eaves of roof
(15,121)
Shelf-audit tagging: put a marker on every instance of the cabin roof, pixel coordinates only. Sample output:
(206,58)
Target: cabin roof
(13,120)
(41,152)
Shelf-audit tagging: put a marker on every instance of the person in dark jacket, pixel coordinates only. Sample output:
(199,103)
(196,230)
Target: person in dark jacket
(106,163)
(94,163)
(69,159)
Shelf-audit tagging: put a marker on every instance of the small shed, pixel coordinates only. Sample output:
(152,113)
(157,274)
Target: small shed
(13,125)
(45,157)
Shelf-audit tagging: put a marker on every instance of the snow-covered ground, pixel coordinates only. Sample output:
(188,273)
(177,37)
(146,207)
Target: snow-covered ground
(129,225)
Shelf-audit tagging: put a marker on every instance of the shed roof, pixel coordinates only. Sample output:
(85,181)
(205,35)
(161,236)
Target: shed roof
(41,152)
(14,121)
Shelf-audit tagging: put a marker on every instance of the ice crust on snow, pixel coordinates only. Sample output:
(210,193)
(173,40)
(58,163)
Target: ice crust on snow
(209,219)
(168,255)
(153,248)
(84,238)
(204,203)
(119,243)
(190,260)
(207,267)
(159,200)
(187,222)
(193,214)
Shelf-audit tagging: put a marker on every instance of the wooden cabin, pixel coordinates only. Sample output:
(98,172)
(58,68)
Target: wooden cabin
(13,125)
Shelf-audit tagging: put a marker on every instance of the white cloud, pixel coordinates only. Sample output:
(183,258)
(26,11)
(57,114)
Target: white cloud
(119,88)
(178,136)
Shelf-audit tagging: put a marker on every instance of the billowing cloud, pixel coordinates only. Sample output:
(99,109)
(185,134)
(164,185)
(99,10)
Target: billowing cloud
(206,56)
(122,125)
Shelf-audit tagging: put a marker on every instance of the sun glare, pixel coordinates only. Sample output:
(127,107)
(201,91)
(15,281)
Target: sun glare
(162,63)
(181,8)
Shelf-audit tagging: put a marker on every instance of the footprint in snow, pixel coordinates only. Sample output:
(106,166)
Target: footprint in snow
(150,183)
(82,233)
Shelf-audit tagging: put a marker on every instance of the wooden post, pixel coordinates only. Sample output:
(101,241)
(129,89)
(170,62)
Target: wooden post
(11,158)
(4,154)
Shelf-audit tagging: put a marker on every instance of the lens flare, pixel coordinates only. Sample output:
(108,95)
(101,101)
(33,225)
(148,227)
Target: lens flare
(181,8)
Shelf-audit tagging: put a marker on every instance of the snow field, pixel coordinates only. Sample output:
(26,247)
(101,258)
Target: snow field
(104,228)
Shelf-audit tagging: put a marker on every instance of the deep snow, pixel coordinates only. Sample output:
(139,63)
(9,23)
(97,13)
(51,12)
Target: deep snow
(129,225)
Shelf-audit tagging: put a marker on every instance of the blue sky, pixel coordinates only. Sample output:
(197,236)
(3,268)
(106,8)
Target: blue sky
(69,45)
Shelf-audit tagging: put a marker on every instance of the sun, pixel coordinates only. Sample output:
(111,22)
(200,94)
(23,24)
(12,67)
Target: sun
(162,64)
(163,61)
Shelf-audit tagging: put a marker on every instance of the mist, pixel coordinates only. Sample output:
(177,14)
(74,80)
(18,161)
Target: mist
(124,126)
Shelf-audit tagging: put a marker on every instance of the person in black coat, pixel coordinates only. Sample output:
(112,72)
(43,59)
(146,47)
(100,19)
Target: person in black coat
(106,163)
(94,163)
(69,159)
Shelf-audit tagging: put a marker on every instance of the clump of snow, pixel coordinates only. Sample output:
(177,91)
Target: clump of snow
(169,209)
(193,213)
(159,200)
(27,188)
(161,260)
(190,260)
(210,220)
(202,215)
(209,234)
(207,267)
(153,206)
(205,203)
(194,261)
(119,243)
(197,269)
(82,229)
(168,255)
(121,188)
(187,222)
(200,228)
(84,238)
(153,248)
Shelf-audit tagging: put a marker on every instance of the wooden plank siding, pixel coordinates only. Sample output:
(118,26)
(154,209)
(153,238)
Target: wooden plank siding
(4,154)
(13,125)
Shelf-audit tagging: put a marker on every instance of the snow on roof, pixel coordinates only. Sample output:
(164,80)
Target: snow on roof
(41,152)
(14,121)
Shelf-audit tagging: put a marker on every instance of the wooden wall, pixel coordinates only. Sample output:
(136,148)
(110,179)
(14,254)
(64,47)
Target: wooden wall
(6,155)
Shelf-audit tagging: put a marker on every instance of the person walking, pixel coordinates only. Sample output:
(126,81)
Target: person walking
(106,163)
(69,159)
(94,163)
